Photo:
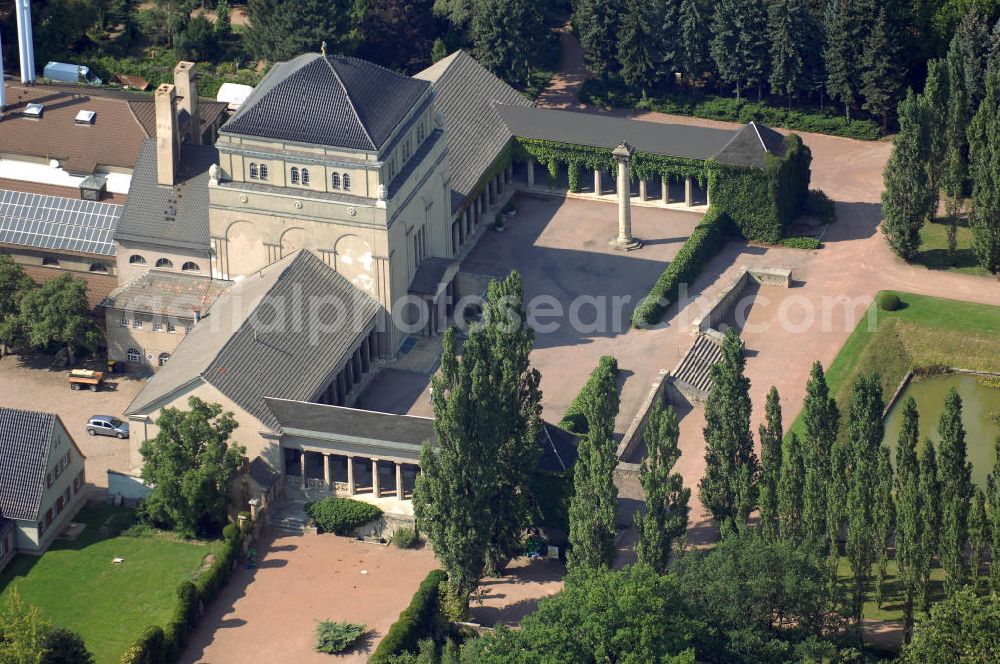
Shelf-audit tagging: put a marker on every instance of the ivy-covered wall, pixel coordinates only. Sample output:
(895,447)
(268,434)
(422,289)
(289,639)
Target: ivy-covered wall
(761,203)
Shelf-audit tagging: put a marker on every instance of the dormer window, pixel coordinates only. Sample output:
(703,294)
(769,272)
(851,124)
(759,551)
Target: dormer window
(253,171)
(295,175)
(335,181)
(305,177)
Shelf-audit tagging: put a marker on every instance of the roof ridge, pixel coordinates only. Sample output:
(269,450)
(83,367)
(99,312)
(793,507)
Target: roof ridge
(759,137)
(350,102)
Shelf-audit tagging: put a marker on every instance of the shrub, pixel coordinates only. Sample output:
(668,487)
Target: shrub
(63,646)
(231,532)
(819,205)
(139,530)
(422,618)
(333,637)
(404,538)
(685,267)
(801,242)
(888,301)
(574,420)
(341,515)
(147,649)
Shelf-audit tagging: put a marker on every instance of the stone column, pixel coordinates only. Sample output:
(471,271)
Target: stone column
(326,471)
(665,190)
(642,190)
(399,481)
(375,487)
(624,241)
(302,466)
(688,192)
(351,486)
(708,192)
(366,356)
(597,182)
(530,164)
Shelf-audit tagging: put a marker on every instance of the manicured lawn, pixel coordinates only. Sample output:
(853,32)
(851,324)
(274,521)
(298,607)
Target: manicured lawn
(927,332)
(76,585)
(892,593)
(934,249)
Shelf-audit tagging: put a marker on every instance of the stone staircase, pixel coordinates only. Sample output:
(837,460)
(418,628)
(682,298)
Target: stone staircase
(694,373)
(289,516)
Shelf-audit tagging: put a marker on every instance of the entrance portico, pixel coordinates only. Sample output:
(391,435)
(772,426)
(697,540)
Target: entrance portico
(351,475)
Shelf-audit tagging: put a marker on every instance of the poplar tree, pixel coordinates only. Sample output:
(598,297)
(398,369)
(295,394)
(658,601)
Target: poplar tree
(790,488)
(993,516)
(692,49)
(930,520)
(596,24)
(822,422)
(885,519)
(837,493)
(786,31)
(594,505)
(955,166)
(934,106)
(665,519)
(955,477)
(729,454)
(865,434)
(636,45)
(984,158)
(978,532)
(881,78)
(771,434)
(906,196)
(973,39)
(909,502)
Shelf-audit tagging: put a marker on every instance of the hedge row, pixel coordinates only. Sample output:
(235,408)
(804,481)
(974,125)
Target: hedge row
(341,515)
(685,267)
(421,619)
(574,420)
(159,645)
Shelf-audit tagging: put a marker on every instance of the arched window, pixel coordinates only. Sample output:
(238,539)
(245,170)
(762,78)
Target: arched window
(162,359)
(190,266)
(347,181)
(49,260)
(99,267)
(136,259)
(164,262)
(295,175)
(305,176)
(134,355)
(335,181)
(253,171)
(263,171)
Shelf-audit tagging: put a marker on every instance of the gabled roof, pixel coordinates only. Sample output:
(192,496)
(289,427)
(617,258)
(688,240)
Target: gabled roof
(262,473)
(280,332)
(166,293)
(327,100)
(466,93)
(174,216)
(59,224)
(25,442)
(748,146)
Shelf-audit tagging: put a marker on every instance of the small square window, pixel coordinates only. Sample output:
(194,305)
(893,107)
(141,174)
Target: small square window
(157,326)
(170,327)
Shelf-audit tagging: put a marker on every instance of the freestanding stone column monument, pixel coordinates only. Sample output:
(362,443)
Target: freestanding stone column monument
(625,242)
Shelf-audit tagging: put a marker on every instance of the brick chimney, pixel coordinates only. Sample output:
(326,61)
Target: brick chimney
(187,91)
(167,142)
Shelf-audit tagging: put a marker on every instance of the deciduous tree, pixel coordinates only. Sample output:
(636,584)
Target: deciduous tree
(885,519)
(771,435)
(984,158)
(909,502)
(282,30)
(962,628)
(930,519)
(955,477)
(822,422)
(790,490)
(57,313)
(906,196)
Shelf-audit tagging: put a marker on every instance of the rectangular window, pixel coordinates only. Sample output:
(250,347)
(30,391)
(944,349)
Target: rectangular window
(124,321)
(59,505)
(48,480)
(76,485)
(48,517)
(41,527)
(67,458)
(170,327)
(157,326)
(66,496)
(137,323)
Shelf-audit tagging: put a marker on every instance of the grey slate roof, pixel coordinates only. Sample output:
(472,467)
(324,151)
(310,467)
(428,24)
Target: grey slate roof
(604,131)
(281,332)
(466,93)
(60,224)
(353,422)
(429,275)
(747,147)
(327,100)
(262,473)
(25,441)
(166,294)
(172,216)
(559,448)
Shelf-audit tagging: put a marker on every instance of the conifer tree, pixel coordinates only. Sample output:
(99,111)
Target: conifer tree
(786,31)
(692,49)
(934,106)
(753,44)
(771,434)
(594,505)
(956,157)
(984,157)
(822,422)
(665,519)
(881,77)
(865,434)
(839,57)
(993,516)
(908,508)
(972,37)
(885,519)
(724,44)
(596,24)
(508,35)
(728,441)
(906,196)
(790,489)
(837,494)
(636,45)
(282,30)
(930,520)
(955,477)
(978,532)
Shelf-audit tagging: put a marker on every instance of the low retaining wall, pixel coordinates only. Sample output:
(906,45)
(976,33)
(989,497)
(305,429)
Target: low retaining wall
(633,435)
(384,526)
(721,303)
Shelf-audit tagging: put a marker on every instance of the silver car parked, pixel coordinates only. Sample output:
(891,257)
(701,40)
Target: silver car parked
(105,425)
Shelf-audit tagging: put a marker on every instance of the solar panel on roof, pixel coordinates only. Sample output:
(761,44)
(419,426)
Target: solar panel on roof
(51,222)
